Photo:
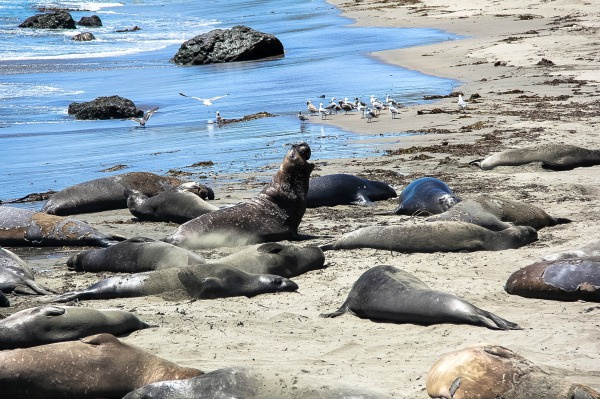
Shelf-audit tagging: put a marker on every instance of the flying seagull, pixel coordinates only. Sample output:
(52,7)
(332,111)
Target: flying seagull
(205,101)
(142,121)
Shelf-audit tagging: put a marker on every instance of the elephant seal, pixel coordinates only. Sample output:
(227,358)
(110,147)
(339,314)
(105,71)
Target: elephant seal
(110,193)
(426,195)
(4,302)
(15,275)
(25,228)
(591,250)
(344,189)
(497,214)
(250,383)
(491,371)
(386,293)
(273,215)
(134,255)
(562,280)
(200,282)
(435,237)
(49,324)
(98,366)
(552,156)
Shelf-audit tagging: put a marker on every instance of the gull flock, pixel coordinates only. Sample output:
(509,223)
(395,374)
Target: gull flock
(368,111)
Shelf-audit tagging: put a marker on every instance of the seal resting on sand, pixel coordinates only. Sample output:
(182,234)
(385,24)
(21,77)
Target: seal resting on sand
(386,293)
(592,250)
(273,215)
(426,195)
(344,189)
(16,276)
(491,371)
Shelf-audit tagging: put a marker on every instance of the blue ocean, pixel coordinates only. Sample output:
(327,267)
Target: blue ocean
(43,71)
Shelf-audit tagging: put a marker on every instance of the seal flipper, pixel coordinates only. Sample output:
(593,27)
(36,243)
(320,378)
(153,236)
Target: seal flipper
(343,309)
(555,221)
(362,199)
(498,323)
(477,162)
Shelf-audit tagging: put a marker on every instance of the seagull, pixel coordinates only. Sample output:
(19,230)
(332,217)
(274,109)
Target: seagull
(311,108)
(142,121)
(462,105)
(218,118)
(369,114)
(346,106)
(205,101)
(378,105)
(303,118)
(388,100)
(323,111)
(333,106)
(393,110)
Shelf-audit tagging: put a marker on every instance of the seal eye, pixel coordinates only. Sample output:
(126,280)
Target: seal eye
(278,281)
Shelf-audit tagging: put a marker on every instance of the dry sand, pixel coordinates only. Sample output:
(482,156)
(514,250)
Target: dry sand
(520,103)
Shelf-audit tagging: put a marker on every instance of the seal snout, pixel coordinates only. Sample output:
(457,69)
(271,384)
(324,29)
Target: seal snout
(302,149)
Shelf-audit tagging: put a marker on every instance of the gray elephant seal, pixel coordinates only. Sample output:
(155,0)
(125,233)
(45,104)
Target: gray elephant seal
(386,293)
(49,324)
(426,195)
(591,250)
(552,156)
(134,255)
(110,193)
(98,366)
(16,276)
(491,371)
(435,237)
(273,215)
(497,214)
(344,189)
(22,227)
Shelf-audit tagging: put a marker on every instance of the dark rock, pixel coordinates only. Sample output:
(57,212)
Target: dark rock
(545,62)
(93,21)
(84,37)
(105,108)
(239,43)
(52,20)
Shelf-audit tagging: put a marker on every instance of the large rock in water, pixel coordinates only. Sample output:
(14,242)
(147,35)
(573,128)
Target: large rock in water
(52,20)
(239,43)
(105,108)
(91,22)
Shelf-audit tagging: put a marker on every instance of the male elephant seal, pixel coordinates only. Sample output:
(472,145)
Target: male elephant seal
(561,280)
(22,227)
(273,215)
(435,237)
(491,371)
(49,324)
(426,195)
(552,156)
(386,293)
(344,189)
(15,275)
(98,366)
(110,193)
(497,214)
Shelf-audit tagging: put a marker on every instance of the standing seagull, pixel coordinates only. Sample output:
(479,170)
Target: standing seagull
(303,118)
(369,114)
(218,117)
(393,110)
(311,108)
(323,111)
(205,101)
(142,121)
(462,105)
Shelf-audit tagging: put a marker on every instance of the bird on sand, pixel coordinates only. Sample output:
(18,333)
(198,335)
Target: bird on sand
(323,111)
(205,101)
(369,114)
(311,108)
(389,99)
(462,104)
(303,118)
(393,110)
(142,121)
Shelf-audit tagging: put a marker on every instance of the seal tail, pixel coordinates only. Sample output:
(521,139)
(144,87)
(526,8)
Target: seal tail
(556,221)
(477,162)
(327,247)
(497,323)
(68,296)
(33,287)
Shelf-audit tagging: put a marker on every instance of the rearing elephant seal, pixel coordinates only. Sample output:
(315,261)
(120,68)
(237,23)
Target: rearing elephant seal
(491,371)
(344,189)
(426,195)
(273,215)
(386,293)
(15,275)
(552,156)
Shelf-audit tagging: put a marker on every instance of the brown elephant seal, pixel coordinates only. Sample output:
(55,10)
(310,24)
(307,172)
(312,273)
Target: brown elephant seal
(139,254)
(345,189)
(110,193)
(491,371)
(199,282)
(426,196)
(98,366)
(591,250)
(435,237)
(562,280)
(273,215)
(16,276)
(386,293)
(49,324)
(552,156)
(497,214)
(25,228)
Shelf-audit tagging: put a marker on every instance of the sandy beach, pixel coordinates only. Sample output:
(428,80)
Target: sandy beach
(514,99)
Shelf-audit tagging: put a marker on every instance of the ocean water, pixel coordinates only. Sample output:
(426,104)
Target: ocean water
(43,71)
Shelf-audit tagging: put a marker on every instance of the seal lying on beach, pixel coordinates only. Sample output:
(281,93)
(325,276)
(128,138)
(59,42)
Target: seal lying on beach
(4,302)
(49,324)
(497,214)
(426,195)
(562,280)
(24,228)
(98,366)
(386,293)
(15,275)
(552,156)
(435,237)
(110,192)
(491,371)
(591,250)
(344,189)
(273,215)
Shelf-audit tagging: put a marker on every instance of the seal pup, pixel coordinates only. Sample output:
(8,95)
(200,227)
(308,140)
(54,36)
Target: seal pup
(426,195)
(24,228)
(345,189)
(492,371)
(273,215)
(98,366)
(552,156)
(591,250)
(47,324)
(561,280)
(435,237)
(16,276)
(386,293)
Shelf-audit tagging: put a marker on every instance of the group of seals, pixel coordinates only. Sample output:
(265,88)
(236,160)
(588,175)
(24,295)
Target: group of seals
(16,276)
(345,189)
(426,195)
